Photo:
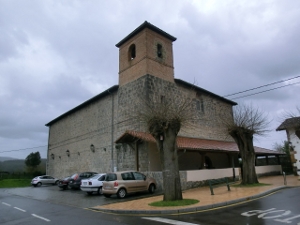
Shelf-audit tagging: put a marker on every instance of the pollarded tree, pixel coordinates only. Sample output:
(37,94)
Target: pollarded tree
(33,160)
(247,123)
(164,118)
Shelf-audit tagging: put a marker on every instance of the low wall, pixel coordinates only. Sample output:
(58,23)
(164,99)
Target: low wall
(268,170)
(198,175)
(198,178)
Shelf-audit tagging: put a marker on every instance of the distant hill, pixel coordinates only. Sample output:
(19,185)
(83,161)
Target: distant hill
(18,165)
(6,158)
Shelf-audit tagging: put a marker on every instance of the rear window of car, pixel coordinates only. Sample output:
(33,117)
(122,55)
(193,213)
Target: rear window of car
(111,177)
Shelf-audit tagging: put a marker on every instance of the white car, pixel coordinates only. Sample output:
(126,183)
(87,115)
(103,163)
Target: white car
(93,184)
(45,179)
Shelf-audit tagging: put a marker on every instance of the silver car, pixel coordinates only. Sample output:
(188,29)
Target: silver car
(45,179)
(123,183)
(93,184)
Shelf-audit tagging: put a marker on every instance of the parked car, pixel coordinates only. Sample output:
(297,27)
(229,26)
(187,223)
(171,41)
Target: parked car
(123,183)
(64,183)
(93,184)
(76,178)
(45,179)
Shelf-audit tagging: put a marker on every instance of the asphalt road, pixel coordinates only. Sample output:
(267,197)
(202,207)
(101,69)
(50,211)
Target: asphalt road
(76,198)
(49,205)
(282,207)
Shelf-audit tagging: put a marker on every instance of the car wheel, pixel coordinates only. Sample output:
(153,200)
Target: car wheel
(39,184)
(65,187)
(99,192)
(34,185)
(89,192)
(107,195)
(121,193)
(151,188)
(56,182)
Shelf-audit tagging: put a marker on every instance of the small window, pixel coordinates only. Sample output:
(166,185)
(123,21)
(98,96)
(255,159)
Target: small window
(198,106)
(159,51)
(162,99)
(202,105)
(132,53)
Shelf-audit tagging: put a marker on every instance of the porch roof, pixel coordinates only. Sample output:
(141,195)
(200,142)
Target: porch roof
(194,144)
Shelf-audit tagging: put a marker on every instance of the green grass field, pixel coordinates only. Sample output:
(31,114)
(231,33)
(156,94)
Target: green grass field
(174,203)
(13,183)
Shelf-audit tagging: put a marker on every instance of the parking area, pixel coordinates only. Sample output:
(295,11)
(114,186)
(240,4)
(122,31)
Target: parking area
(76,198)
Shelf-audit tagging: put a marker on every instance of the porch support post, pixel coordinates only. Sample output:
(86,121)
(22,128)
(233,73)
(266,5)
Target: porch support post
(232,163)
(278,159)
(136,155)
(202,160)
(267,160)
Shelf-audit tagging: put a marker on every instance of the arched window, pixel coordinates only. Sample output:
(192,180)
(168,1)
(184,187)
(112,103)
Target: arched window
(131,52)
(159,51)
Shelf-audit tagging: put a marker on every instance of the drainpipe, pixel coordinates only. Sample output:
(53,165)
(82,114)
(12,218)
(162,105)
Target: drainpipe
(48,154)
(112,131)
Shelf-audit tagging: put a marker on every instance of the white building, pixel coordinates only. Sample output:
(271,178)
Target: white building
(292,128)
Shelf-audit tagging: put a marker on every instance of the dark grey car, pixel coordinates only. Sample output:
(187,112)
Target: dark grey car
(76,178)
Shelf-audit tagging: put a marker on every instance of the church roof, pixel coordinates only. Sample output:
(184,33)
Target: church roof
(142,27)
(194,144)
(289,123)
(99,96)
(192,86)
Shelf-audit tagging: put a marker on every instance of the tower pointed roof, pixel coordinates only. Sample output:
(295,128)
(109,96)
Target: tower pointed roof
(143,26)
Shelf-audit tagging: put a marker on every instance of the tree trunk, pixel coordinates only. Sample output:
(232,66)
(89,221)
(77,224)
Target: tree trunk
(297,132)
(245,145)
(169,162)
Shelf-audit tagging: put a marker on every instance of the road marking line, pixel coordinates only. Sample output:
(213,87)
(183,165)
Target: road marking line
(163,220)
(20,209)
(6,204)
(42,218)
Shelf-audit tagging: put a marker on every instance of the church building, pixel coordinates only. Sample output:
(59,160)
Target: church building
(102,134)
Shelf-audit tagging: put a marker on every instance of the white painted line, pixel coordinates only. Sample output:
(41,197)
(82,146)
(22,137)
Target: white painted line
(20,209)
(163,220)
(6,204)
(42,218)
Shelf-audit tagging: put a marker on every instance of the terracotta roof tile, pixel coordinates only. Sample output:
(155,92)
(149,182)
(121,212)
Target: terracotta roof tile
(193,143)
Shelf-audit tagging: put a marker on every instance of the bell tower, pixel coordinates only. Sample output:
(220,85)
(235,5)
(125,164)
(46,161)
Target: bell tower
(146,50)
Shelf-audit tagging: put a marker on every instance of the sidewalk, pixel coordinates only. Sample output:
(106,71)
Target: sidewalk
(221,197)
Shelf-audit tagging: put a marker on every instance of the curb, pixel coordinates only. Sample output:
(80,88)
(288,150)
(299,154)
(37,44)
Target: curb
(187,210)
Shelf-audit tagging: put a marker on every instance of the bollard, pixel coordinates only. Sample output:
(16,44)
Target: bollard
(284,178)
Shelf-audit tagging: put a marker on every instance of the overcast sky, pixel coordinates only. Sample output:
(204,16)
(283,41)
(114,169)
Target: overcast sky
(54,55)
